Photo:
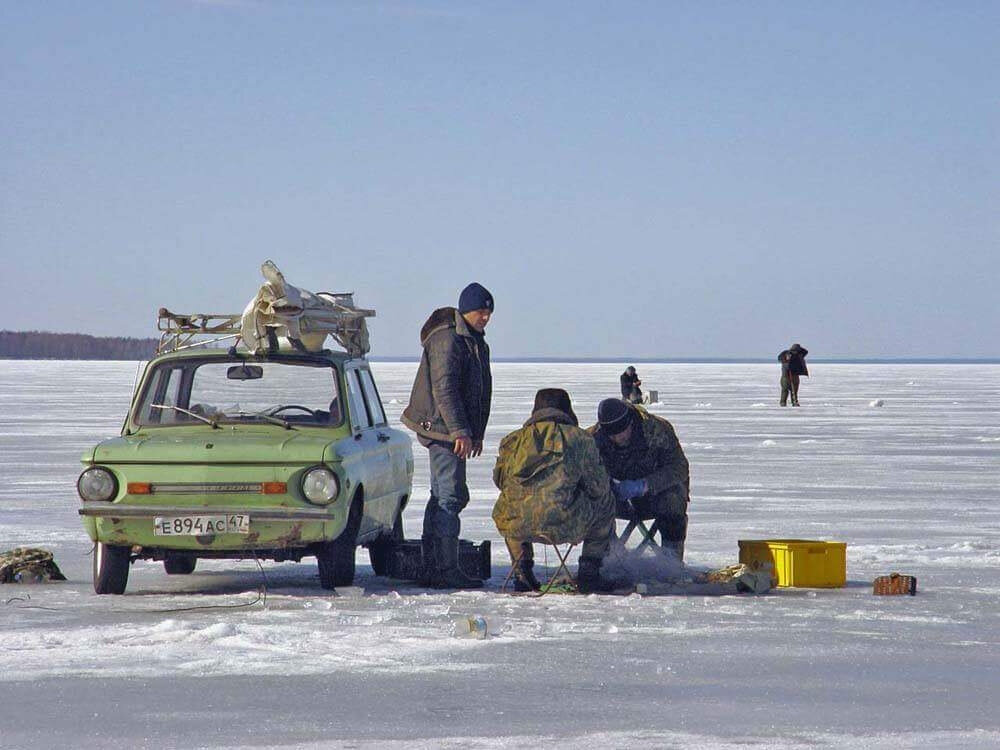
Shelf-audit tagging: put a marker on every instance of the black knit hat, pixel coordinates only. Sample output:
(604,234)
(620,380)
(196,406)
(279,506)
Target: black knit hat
(475,297)
(614,416)
(554,398)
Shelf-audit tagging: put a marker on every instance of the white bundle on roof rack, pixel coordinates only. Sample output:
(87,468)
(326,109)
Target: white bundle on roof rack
(304,318)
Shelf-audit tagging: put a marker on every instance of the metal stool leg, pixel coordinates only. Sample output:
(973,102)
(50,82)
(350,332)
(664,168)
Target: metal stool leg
(629,528)
(648,535)
(560,569)
(648,532)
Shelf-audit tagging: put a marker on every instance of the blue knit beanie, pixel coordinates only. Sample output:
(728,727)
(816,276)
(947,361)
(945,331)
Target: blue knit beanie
(475,297)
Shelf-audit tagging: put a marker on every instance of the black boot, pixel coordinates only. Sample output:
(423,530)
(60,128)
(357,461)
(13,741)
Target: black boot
(673,532)
(588,577)
(674,548)
(522,556)
(428,563)
(524,574)
(524,577)
(448,575)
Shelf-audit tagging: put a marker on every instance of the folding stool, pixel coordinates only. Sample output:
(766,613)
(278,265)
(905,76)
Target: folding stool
(561,569)
(634,523)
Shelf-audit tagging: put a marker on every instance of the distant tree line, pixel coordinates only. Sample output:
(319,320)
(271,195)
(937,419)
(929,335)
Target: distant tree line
(44,345)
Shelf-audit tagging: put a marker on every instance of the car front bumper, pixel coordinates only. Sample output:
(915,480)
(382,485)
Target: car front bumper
(273,527)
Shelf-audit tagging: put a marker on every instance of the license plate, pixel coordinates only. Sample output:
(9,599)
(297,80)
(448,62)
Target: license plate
(234,523)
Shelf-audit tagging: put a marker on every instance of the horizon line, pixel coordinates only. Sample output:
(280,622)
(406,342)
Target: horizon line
(620,360)
(718,360)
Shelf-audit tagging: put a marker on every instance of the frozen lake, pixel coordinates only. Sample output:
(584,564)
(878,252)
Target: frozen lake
(911,486)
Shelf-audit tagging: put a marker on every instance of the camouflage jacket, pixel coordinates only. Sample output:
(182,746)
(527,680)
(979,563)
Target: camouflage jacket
(654,453)
(551,481)
(24,564)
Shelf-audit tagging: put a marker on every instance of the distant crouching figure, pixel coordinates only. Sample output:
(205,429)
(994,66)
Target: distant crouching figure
(630,386)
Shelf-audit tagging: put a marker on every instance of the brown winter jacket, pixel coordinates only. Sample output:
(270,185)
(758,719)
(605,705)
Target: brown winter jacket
(452,391)
(793,361)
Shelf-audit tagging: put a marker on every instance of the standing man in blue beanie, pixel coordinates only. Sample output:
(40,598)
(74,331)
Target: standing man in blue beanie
(449,408)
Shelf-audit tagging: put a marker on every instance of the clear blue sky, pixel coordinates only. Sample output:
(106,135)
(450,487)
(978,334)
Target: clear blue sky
(639,179)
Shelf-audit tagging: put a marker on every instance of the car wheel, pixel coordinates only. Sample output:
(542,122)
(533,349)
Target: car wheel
(179,565)
(336,559)
(111,563)
(380,551)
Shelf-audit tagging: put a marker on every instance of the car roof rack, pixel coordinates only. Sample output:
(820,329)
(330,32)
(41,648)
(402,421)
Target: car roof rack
(197,329)
(279,311)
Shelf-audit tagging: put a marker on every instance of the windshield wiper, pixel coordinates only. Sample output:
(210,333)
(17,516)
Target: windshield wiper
(206,420)
(267,418)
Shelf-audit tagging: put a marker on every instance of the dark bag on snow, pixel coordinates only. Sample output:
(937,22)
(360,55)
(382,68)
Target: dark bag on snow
(28,565)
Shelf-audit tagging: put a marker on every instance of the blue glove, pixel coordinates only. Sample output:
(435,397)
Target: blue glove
(626,489)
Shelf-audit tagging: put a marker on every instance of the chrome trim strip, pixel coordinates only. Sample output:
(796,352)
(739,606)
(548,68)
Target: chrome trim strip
(206,488)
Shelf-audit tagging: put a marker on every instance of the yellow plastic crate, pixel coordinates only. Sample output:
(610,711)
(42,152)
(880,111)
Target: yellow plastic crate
(801,563)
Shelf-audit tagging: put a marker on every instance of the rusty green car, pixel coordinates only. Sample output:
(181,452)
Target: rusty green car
(225,453)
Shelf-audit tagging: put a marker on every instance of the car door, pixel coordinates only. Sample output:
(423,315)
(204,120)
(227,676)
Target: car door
(376,473)
(396,443)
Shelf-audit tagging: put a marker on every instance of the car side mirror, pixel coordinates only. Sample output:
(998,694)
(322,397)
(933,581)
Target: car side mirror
(245,372)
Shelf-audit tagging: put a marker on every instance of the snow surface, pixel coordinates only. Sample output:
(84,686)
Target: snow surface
(235,657)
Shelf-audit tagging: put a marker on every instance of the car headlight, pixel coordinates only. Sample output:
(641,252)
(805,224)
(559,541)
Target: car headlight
(320,486)
(97,484)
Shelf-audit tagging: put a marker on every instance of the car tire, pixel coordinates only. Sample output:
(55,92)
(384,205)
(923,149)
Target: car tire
(179,565)
(111,563)
(380,551)
(336,559)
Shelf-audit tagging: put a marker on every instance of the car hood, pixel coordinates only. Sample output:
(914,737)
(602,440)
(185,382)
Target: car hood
(241,446)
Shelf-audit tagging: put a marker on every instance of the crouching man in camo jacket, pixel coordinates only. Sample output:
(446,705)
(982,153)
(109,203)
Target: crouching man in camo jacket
(553,489)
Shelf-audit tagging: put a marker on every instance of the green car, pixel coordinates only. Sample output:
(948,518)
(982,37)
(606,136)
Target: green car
(273,455)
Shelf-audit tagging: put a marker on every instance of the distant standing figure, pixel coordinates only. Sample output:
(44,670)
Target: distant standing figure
(449,408)
(793,365)
(630,386)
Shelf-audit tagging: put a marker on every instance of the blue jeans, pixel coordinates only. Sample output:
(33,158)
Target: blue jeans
(449,492)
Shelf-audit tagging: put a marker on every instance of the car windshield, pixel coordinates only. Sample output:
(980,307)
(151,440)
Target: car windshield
(286,393)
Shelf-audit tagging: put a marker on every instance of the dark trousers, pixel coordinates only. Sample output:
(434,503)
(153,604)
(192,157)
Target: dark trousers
(632,394)
(790,387)
(449,492)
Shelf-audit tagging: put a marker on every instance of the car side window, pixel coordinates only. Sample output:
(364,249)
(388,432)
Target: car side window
(165,390)
(359,414)
(371,396)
